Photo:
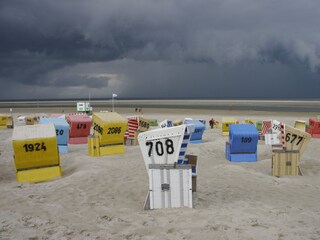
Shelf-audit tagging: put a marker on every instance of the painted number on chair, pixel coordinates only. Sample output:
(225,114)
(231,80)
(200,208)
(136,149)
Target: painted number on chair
(81,126)
(276,127)
(160,149)
(293,137)
(97,128)
(144,124)
(246,139)
(59,132)
(35,147)
(114,130)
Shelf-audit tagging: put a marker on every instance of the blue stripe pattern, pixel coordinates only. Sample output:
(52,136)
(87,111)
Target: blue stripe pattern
(184,145)
(186,139)
(182,153)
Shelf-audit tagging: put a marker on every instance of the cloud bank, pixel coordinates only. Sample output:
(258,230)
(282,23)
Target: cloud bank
(167,49)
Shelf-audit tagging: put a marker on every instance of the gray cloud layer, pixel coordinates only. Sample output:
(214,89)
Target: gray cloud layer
(149,48)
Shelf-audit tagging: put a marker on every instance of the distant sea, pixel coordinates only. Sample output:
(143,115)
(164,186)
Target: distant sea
(287,105)
(119,98)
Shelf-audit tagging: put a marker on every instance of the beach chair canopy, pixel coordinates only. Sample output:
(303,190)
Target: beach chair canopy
(61,127)
(243,138)
(199,128)
(110,127)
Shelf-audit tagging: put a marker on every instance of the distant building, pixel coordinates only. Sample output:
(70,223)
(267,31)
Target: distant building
(84,107)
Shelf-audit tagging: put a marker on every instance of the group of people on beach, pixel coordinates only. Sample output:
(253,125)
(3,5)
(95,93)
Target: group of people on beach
(139,110)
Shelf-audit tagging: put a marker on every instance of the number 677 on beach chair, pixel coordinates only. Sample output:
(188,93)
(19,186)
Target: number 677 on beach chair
(286,161)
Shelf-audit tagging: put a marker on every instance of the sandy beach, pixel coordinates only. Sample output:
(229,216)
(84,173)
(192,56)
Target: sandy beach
(102,198)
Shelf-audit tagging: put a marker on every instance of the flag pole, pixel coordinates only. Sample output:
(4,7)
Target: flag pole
(113,96)
(112,103)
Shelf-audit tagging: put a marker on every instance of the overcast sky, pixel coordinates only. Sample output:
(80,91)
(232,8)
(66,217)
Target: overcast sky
(159,49)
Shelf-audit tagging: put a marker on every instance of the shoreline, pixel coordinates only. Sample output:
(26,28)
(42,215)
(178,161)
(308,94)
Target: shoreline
(240,105)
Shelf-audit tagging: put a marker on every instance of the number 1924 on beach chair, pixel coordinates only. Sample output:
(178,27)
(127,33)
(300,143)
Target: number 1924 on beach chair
(36,156)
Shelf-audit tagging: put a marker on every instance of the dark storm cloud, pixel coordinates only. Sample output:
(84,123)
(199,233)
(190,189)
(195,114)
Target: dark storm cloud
(27,67)
(230,38)
(81,81)
(249,81)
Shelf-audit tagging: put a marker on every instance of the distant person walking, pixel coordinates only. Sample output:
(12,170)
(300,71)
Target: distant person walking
(212,122)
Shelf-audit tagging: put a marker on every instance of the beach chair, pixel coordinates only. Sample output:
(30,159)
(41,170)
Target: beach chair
(249,121)
(286,161)
(9,122)
(242,145)
(266,125)
(314,127)
(301,125)
(110,128)
(273,135)
(170,183)
(166,123)
(259,125)
(36,156)
(62,132)
(177,122)
(199,127)
(136,125)
(153,122)
(225,125)
(79,130)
